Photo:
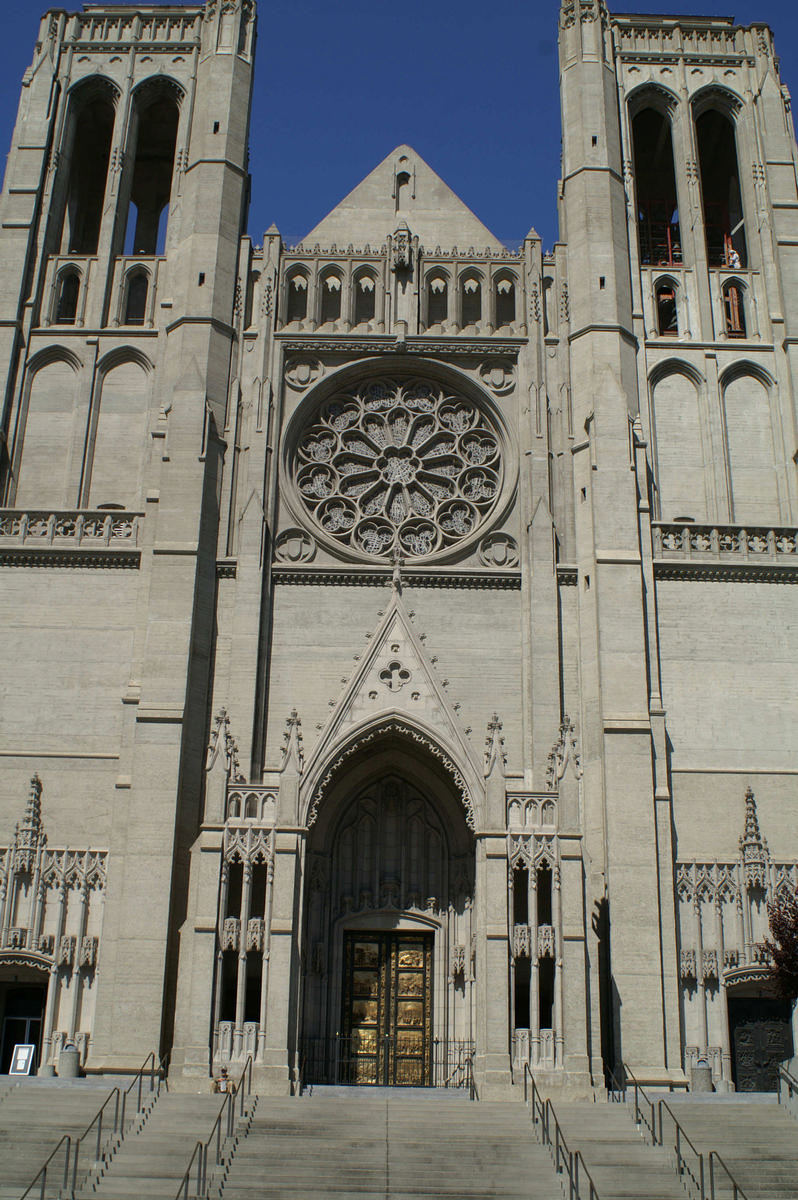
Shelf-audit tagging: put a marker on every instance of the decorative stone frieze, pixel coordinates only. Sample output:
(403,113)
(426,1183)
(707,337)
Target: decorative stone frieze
(231,933)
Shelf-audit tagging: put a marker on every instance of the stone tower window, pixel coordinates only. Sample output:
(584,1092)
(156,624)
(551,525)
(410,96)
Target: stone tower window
(667,316)
(365,297)
(136,298)
(720,189)
(91,128)
(437,300)
(655,184)
(734,310)
(296,297)
(470,300)
(504,301)
(155,140)
(402,190)
(330,297)
(66,310)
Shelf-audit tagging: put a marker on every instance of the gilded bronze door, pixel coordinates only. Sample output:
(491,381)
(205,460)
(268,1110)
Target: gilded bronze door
(387,1017)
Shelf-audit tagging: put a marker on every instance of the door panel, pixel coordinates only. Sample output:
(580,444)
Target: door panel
(387,1017)
(761,1041)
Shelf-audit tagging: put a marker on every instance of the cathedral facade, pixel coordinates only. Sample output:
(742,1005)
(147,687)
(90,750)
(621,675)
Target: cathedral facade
(400,635)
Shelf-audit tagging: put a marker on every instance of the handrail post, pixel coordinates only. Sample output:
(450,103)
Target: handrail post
(701,1175)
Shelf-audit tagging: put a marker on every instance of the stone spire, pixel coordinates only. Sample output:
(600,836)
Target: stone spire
(495,758)
(293,752)
(29,835)
(753,847)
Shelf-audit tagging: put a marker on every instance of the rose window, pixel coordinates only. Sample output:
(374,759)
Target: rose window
(399,465)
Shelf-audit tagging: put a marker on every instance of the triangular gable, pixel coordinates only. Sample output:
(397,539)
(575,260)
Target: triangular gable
(394,678)
(430,208)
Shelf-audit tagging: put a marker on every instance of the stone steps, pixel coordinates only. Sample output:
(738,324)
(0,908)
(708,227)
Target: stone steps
(152,1162)
(34,1116)
(758,1142)
(397,1146)
(620,1163)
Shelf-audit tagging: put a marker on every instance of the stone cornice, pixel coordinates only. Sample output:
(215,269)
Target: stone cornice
(380,344)
(367,577)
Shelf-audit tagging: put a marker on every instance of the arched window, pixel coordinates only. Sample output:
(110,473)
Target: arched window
(66,309)
(330,297)
(667,315)
(402,190)
(470,300)
(365,298)
(720,189)
(296,297)
(504,301)
(91,129)
(655,185)
(157,115)
(136,298)
(734,310)
(437,299)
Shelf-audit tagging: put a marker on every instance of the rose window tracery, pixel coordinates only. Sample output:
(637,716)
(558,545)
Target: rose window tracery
(402,465)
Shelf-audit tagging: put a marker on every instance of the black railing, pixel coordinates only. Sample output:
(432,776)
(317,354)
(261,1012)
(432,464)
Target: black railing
(443,1063)
(214,1152)
(570,1163)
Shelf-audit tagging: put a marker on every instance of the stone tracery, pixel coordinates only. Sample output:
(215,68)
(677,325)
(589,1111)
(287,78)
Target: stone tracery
(399,464)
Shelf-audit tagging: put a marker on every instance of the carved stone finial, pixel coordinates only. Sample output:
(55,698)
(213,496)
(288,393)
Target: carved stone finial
(753,847)
(293,752)
(494,747)
(402,248)
(396,581)
(29,835)
(224,748)
(564,752)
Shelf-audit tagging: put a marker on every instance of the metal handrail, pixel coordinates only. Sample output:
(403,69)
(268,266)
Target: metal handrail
(156,1069)
(682,1166)
(43,1169)
(617,1092)
(182,1191)
(640,1116)
(737,1191)
(228,1110)
(569,1161)
(97,1120)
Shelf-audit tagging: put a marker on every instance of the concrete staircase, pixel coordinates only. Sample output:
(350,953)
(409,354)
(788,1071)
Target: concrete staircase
(620,1163)
(34,1115)
(757,1139)
(384,1144)
(152,1162)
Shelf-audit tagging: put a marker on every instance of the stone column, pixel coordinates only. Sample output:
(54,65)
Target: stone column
(282,990)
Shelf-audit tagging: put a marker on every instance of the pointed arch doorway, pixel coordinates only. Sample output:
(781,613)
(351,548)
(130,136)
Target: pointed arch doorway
(388,980)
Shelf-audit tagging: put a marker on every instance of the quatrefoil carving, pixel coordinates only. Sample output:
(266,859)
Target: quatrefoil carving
(394,676)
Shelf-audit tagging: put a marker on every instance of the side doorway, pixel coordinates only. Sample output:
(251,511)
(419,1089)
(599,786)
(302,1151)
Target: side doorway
(22,1008)
(761,1039)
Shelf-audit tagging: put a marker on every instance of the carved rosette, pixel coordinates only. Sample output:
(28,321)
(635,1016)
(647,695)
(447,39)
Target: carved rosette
(399,465)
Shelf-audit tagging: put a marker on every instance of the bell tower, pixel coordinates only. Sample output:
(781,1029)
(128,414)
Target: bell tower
(627,822)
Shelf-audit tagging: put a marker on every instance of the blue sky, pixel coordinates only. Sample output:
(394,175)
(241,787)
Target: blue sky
(472,86)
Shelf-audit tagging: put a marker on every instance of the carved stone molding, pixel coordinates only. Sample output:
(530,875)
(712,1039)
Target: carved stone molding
(395,726)
(499,550)
(294,546)
(324,576)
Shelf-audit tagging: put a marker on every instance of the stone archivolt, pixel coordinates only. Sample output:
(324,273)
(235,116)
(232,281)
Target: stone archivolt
(399,464)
